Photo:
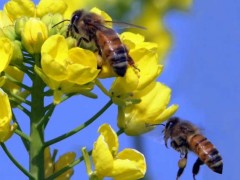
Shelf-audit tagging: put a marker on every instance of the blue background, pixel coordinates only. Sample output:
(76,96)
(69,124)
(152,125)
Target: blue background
(203,71)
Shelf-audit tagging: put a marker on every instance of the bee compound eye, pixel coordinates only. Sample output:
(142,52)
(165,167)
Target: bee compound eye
(75,18)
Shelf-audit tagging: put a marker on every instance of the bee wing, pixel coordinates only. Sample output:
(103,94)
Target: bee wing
(122,25)
(156,135)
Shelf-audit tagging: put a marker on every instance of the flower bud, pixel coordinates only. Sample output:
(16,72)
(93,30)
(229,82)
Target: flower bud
(52,19)
(71,42)
(17,56)
(19,25)
(34,34)
(9,32)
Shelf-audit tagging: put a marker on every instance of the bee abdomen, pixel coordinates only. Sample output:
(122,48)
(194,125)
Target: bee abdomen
(118,60)
(206,152)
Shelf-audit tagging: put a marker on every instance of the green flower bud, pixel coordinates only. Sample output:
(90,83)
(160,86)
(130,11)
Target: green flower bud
(71,42)
(17,56)
(52,19)
(19,25)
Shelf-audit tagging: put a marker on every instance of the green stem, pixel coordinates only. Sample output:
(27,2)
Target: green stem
(45,119)
(15,162)
(25,139)
(103,89)
(18,98)
(37,132)
(79,128)
(23,136)
(23,109)
(120,131)
(55,151)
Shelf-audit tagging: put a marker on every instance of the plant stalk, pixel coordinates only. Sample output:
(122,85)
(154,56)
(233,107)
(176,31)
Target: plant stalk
(37,132)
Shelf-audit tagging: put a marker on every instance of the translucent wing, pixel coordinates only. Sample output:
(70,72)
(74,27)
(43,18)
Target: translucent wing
(122,25)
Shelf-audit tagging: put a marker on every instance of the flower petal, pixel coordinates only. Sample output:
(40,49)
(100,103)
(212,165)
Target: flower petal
(54,57)
(102,157)
(6,129)
(105,16)
(51,6)
(126,84)
(129,164)
(83,66)
(56,46)
(110,137)
(62,162)
(48,163)
(6,51)
(166,114)
(5,110)
(131,40)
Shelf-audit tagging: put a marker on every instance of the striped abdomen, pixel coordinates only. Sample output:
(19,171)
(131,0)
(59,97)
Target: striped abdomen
(206,152)
(113,50)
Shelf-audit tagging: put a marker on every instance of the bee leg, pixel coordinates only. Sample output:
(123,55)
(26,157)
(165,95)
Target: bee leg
(82,39)
(69,31)
(196,167)
(182,164)
(131,63)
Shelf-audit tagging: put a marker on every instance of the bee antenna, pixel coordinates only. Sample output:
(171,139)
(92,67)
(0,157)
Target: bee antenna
(148,125)
(60,22)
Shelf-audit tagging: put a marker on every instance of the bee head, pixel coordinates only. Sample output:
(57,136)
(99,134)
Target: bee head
(171,123)
(76,16)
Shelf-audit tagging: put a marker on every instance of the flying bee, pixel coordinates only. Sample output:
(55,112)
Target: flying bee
(91,28)
(185,136)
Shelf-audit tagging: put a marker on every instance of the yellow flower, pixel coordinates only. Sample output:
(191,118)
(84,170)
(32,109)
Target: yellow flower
(63,161)
(151,110)
(67,70)
(6,52)
(19,8)
(6,129)
(33,35)
(128,164)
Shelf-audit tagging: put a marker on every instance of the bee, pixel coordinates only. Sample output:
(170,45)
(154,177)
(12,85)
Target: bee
(91,27)
(185,136)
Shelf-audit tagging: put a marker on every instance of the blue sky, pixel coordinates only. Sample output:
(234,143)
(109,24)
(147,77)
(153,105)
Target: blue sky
(203,72)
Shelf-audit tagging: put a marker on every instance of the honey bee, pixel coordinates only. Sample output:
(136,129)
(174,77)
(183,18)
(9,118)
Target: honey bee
(185,136)
(91,28)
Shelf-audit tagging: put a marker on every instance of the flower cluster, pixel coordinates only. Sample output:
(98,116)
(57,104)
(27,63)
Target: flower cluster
(35,45)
